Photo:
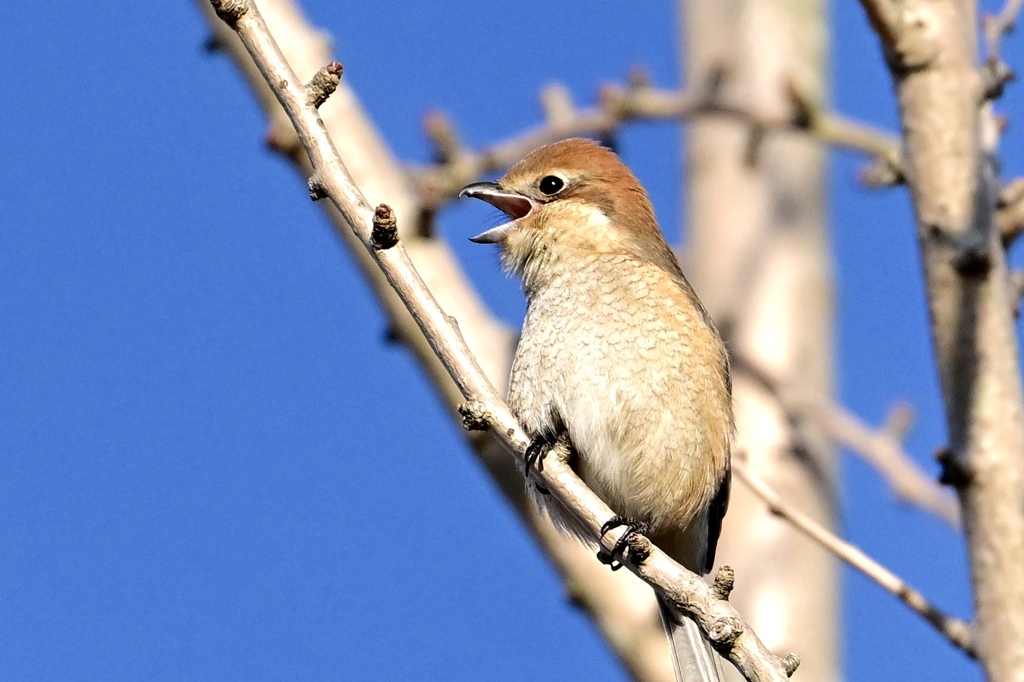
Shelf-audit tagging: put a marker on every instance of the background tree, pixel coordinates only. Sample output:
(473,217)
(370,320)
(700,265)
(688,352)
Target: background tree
(207,380)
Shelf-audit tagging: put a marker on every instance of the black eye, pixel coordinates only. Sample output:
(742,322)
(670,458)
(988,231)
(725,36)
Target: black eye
(551,184)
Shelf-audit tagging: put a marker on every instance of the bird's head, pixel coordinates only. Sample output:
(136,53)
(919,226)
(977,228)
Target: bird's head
(567,200)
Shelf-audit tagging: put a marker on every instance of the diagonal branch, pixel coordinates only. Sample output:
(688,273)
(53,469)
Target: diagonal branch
(377,231)
(879,447)
(953,629)
(621,607)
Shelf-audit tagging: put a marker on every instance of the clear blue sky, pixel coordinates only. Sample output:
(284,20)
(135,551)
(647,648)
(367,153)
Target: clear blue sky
(196,477)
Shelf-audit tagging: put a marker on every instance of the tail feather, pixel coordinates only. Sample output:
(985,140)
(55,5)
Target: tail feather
(692,656)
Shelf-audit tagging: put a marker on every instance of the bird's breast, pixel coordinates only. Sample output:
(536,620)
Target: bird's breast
(614,352)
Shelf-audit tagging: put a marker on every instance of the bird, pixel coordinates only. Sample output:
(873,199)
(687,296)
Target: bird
(618,356)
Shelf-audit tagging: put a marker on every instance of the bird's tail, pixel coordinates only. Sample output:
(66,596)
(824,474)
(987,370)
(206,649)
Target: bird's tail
(692,656)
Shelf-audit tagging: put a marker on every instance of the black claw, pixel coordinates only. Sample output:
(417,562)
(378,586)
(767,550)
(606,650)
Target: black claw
(536,451)
(614,557)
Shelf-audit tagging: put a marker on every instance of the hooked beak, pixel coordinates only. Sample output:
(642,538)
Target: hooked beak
(515,206)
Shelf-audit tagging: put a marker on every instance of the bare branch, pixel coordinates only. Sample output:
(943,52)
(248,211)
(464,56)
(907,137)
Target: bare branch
(953,629)
(1010,211)
(637,101)
(884,17)
(1000,25)
(1016,290)
(880,448)
(717,619)
(621,607)
(949,160)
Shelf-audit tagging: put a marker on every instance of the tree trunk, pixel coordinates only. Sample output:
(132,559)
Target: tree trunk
(759,257)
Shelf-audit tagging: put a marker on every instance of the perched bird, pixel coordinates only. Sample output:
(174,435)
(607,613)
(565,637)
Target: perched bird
(617,354)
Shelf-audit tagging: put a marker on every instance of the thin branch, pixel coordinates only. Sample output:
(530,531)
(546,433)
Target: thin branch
(622,608)
(1000,25)
(618,105)
(884,17)
(1010,211)
(716,617)
(956,631)
(881,448)
(1016,290)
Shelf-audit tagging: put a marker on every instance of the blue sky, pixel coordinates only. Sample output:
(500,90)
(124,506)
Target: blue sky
(196,477)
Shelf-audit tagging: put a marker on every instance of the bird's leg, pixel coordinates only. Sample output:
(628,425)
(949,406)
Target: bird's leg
(614,557)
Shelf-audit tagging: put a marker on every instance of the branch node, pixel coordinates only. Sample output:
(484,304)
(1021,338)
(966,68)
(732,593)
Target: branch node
(995,74)
(968,251)
(638,78)
(1010,211)
(805,112)
(790,663)
(724,632)
(443,136)
(639,548)
(954,473)
(475,415)
(556,101)
(725,580)
(323,84)
(230,11)
(973,260)
(317,191)
(611,98)
(880,172)
(899,421)
(1016,290)
(385,228)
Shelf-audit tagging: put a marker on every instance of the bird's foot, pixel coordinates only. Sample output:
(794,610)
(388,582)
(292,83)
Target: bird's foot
(634,528)
(538,450)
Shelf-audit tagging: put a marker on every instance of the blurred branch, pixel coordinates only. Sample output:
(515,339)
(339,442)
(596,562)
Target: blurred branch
(1010,211)
(995,72)
(998,26)
(1017,290)
(953,629)
(377,231)
(952,170)
(879,447)
(637,101)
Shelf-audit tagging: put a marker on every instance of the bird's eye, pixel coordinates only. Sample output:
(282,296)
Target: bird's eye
(551,184)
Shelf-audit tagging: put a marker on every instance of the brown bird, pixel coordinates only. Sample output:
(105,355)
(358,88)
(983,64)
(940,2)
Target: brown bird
(617,354)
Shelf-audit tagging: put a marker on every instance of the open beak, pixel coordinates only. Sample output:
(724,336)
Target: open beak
(515,206)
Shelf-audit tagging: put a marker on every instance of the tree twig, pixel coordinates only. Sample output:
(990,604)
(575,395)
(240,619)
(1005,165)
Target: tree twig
(622,608)
(958,632)
(719,621)
(618,105)
(879,447)
(998,26)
